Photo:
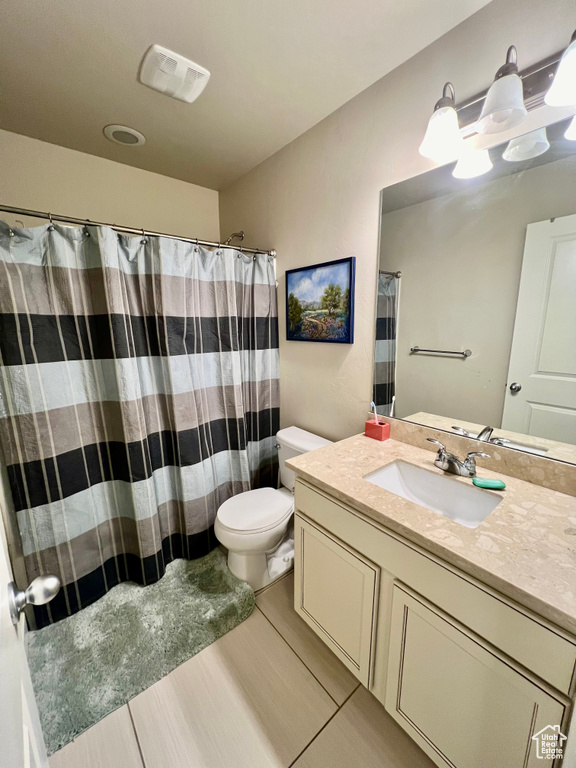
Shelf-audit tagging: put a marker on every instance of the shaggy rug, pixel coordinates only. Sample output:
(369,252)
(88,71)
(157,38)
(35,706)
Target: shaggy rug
(88,665)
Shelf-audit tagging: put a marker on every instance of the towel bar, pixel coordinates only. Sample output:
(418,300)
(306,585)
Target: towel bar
(464,355)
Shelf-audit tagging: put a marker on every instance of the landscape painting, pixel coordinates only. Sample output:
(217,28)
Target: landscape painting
(320,302)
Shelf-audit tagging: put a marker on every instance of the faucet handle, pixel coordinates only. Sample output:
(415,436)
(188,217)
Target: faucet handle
(461,431)
(441,449)
(477,453)
(469,462)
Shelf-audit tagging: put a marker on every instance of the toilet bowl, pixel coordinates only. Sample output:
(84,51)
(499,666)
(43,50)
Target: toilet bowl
(252,524)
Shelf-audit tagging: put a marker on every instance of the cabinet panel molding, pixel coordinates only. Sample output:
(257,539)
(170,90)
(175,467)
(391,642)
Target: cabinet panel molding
(336,593)
(465,705)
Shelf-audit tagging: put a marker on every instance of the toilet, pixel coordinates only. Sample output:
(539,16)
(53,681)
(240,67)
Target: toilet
(252,524)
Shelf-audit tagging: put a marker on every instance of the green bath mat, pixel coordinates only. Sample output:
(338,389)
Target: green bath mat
(88,665)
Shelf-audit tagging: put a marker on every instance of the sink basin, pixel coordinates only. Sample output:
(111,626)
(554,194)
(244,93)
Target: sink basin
(463,503)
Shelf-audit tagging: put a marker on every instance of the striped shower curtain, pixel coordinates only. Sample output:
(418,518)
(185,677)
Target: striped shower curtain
(139,390)
(385,349)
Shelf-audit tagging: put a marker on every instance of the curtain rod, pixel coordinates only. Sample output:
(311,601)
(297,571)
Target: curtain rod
(392,274)
(128,230)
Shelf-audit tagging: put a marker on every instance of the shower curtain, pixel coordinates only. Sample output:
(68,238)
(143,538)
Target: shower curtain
(385,351)
(139,390)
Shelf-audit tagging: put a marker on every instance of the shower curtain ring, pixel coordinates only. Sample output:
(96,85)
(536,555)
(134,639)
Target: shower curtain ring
(86,232)
(51,225)
(196,247)
(144,238)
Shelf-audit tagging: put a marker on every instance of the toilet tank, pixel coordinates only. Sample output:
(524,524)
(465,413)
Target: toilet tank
(294,441)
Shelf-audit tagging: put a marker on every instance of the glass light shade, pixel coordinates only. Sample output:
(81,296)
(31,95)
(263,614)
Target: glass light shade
(571,130)
(525,147)
(472,163)
(503,107)
(562,92)
(442,142)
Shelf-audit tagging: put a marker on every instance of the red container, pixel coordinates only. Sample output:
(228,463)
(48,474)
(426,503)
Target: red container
(377,431)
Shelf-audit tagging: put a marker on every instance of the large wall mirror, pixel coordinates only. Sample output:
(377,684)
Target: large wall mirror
(476,315)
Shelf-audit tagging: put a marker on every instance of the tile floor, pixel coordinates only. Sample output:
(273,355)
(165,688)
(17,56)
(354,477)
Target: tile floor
(269,694)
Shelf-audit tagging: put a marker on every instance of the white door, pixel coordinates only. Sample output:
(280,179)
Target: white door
(21,742)
(541,388)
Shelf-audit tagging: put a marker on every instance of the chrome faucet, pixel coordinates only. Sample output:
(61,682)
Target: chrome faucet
(485,435)
(449,463)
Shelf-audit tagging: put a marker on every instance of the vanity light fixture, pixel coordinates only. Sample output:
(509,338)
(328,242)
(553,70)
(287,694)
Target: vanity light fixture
(504,104)
(570,134)
(443,142)
(562,92)
(472,163)
(528,146)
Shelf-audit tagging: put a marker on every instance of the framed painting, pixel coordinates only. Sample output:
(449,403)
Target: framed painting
(320,302)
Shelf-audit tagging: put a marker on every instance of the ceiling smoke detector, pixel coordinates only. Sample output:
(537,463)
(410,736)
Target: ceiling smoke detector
(122,134)
(172,74)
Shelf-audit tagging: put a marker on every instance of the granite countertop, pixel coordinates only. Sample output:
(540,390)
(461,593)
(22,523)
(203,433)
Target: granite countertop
(525,548)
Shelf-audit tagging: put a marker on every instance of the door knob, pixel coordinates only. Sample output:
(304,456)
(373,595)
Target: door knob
(515,387)
(40,591)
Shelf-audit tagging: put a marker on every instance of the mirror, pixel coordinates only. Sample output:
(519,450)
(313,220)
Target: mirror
(476,311)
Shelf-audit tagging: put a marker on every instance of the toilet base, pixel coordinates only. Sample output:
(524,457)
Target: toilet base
(251,568)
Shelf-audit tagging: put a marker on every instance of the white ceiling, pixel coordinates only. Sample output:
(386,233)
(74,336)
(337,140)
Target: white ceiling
(69,67)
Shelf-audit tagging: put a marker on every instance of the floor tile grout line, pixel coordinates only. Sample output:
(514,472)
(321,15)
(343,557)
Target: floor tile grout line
(259,592)
(300,658)
(136,736)
(332,716)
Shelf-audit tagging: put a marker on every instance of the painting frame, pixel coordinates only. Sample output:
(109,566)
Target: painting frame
(341,332)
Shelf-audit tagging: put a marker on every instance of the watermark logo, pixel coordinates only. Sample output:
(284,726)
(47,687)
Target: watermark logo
(549,743)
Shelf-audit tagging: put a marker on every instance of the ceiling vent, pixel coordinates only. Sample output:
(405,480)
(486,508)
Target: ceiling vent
(172,74)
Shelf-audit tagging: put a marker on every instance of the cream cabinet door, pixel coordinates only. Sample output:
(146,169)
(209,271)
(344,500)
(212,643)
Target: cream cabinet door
(335,592)
(463,704)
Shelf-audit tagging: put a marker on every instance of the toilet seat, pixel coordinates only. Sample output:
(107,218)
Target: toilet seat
(255,511)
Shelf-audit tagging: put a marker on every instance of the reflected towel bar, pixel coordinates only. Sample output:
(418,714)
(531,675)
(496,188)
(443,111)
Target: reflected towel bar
(463,355)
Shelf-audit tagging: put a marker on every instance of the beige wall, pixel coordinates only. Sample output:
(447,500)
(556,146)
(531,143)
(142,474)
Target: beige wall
(461,259)
(46,177)
(317,199)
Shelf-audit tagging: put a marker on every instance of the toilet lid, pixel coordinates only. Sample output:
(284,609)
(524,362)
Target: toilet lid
(255,510)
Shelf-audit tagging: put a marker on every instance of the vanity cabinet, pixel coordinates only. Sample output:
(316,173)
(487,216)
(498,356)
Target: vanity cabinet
(463,703)
(468,673)
(336,590)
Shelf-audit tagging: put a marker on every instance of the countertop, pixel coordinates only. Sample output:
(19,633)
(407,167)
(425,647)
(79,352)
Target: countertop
(525,548)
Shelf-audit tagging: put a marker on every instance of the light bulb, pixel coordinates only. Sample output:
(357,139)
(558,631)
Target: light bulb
(528,146)
(504,103)
(571,130)
(562,92)
(443,141)
(472,163)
